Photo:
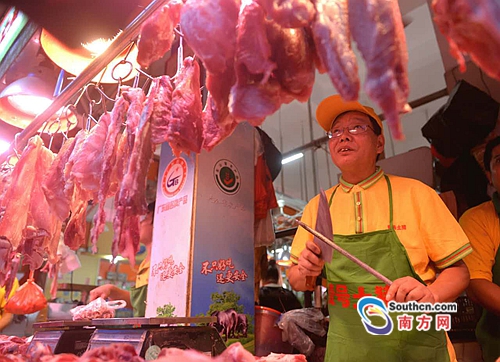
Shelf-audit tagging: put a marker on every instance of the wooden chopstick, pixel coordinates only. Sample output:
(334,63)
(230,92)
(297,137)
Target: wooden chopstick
(349,256)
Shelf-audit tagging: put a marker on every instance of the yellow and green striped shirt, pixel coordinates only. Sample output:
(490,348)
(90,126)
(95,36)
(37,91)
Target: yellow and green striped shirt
(432,237)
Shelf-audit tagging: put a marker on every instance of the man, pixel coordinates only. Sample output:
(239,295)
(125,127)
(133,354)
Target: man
(482,226)
(136,297)
(6,317)
(273,295)
(398,226)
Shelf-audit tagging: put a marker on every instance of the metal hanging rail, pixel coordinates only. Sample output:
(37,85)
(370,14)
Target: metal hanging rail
(317,143)
(93,69)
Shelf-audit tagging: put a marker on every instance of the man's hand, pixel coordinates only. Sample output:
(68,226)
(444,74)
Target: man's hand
(407,288)
(310,262)
(111,292)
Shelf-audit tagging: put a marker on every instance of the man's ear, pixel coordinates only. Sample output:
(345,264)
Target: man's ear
(380,143)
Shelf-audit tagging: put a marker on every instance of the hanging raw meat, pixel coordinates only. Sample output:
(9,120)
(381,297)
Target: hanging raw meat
(293,53)
(42,230)
(5,180)
(216,127)
(136,98)
(16,201)
(54,193)
(253,50)
(209,27)
(471,27)
(131,199)
(252,101)
(332,39)
(108,165)
(185,129)
(157,33)
(87,167)
(162,110)
(377,27)
(290,13)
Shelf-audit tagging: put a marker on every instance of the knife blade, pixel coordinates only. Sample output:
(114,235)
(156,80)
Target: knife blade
(323,226)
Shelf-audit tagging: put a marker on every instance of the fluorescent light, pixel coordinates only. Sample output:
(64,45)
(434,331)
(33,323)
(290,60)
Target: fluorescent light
(4,146)
(292,158)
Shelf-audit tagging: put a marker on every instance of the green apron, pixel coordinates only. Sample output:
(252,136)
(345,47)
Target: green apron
(347,338)
(138,298)
(488,327)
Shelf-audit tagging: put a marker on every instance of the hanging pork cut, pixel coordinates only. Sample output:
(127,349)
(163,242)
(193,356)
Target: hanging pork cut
(87,166)
(131,198)
(209,27)
(41,235)
(293,53)
(378,30)
(17,201)
(471,27)
(253,50)
(290,13)
(54,178)
(216,127)
(108,165)
(332,39)
(185,129)
(162,110)
(157,33)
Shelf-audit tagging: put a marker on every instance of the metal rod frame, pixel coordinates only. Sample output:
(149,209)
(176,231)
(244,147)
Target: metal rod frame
(93,69)
(317,143)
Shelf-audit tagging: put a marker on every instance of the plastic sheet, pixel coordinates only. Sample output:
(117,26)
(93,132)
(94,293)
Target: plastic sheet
(293,322)
(98,308)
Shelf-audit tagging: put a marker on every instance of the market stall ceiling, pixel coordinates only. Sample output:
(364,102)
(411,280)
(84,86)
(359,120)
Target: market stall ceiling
(290,127)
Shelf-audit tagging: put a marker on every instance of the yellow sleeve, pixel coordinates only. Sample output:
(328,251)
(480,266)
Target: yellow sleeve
(482,229)
(3,299)
(302,235)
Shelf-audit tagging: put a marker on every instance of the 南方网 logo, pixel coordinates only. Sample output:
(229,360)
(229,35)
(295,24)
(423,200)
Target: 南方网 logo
(174,177)
(227,177)
(375,307)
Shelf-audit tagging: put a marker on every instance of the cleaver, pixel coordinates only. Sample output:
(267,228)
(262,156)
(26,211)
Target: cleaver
(323,226)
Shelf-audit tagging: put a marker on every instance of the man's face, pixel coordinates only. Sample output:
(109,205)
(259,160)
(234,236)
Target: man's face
(355,152)
(494,173)
(146,229)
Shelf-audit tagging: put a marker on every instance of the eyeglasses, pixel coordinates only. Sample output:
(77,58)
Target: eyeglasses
(355,129)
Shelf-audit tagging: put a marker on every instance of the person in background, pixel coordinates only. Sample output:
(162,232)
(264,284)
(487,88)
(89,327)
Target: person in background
(398,226)
(6,317)
(273,295)
(482,226)
(136,297)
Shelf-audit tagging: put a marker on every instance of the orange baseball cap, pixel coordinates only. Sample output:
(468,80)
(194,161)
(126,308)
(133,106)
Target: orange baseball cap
(331,107)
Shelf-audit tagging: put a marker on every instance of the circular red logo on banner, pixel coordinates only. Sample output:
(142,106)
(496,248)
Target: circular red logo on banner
(174,177)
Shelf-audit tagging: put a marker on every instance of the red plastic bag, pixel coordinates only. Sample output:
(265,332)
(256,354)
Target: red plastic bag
(27,299)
